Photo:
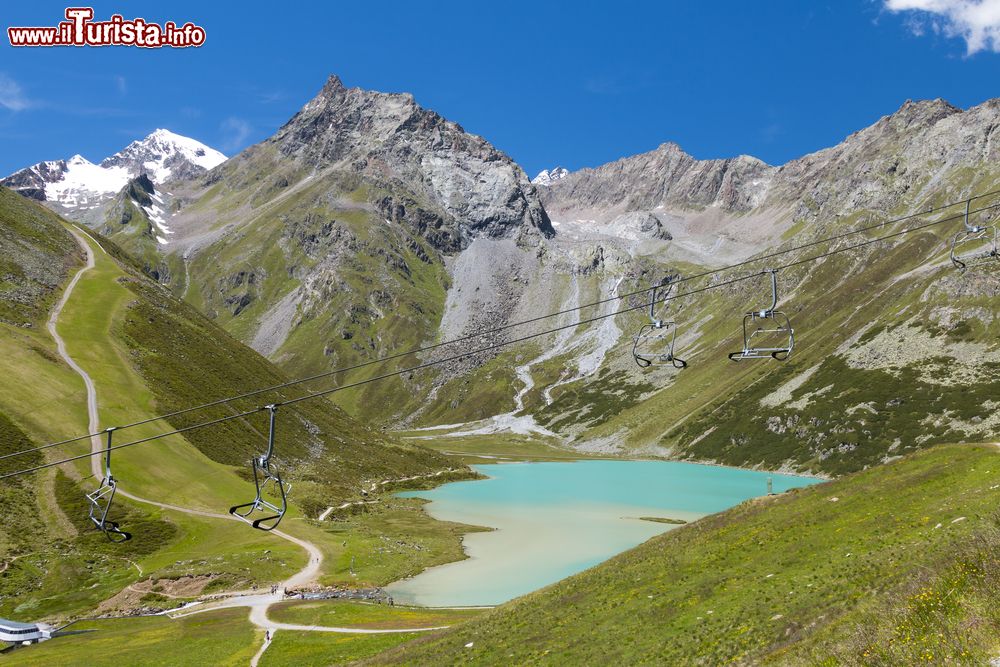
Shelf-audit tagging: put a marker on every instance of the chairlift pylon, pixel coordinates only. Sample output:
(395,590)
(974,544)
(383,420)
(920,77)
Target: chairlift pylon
(769,322)
(102,499)
(265,477)
(655,341)
(975,244)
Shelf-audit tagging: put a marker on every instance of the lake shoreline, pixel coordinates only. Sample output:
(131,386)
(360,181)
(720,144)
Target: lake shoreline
(544,524)
(781,471)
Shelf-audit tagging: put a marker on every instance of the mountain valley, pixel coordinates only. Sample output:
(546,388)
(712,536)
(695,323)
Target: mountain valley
(456,312)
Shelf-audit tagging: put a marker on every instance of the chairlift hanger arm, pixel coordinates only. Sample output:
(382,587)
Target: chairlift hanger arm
(765,312)
(103,498)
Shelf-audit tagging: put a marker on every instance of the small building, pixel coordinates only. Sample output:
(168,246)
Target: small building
(13,632)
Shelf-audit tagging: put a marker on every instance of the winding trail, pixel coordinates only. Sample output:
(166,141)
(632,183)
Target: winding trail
(258,604)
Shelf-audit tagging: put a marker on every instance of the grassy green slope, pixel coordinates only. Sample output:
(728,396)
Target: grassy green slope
(226,637)
(864,570)
(148,354)
(128,224)
(35,256)
(376,287)
(129,333)
(298,648)
(214,638)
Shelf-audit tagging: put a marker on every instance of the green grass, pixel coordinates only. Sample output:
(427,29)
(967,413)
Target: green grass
(389,541)
(90,326)
(213,638)
(826,436)
(789,579)
(293,649)
(489,448)
(169,357)
(149,354)
(946,614)
(36,254)
(336,613)
(381,287)
(297,648)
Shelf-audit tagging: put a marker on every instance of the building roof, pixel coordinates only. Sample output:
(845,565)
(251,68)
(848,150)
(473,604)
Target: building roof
(14,625)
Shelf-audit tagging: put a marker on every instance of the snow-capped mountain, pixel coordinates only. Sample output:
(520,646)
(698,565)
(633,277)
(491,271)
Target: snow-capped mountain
(164,155)
(78,184)
(549,176)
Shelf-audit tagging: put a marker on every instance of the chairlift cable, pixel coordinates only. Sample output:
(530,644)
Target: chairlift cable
(104,451)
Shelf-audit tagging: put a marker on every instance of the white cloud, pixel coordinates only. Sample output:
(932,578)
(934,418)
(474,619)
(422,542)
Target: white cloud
(237,131)
(975,21)
(122,84)
(11,95)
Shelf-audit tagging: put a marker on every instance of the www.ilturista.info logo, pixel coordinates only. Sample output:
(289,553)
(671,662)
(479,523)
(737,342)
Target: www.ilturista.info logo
(81,30)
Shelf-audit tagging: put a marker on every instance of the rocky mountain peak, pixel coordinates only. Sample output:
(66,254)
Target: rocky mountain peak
(924,111)
(392,140)
(333,82)
(879,166)
(670,147)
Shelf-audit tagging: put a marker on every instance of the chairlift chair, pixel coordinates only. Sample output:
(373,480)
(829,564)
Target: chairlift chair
(975,244)
(764,325)
(655,341)
(267,481)
(102,499)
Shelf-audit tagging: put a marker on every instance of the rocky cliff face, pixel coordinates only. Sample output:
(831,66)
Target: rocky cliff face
(666,177)
(388,139)
(899,157)
(925,153)
(31,182)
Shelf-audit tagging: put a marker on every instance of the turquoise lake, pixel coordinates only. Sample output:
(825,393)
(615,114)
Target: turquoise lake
(555,519)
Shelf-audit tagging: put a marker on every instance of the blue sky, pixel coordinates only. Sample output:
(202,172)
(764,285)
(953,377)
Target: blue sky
(569,83)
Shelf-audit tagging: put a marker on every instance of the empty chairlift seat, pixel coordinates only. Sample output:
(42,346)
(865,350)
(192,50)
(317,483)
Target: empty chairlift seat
(272,493)
(975,245)
(102,499)
(767,333)
(654,343)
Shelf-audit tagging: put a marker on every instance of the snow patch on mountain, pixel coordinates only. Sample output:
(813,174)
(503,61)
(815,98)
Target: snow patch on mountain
(83,182)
